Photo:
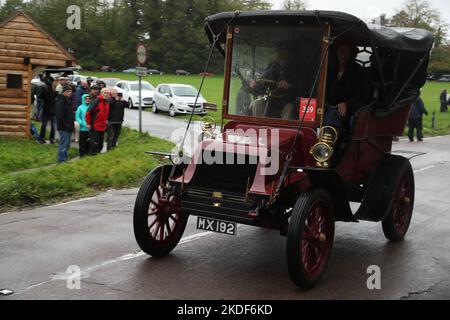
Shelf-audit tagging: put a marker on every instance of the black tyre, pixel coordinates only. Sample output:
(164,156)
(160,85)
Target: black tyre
(130,104)
(310,238)
(158,220)
(155,108)
(172,111)
(398,219)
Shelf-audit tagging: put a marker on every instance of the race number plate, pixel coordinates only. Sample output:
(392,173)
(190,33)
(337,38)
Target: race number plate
(310,109)
(224,227)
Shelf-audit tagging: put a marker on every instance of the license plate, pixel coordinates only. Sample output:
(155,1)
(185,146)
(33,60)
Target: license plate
(219,226)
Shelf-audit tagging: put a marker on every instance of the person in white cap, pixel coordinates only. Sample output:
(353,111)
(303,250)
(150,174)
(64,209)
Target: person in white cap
(62,82)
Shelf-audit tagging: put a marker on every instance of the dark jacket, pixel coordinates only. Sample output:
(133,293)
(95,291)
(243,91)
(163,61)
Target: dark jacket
(443,98)
(38,90)
(79,93)
(97,114)
(418,109)
(352,88)
(116,111)
(49,98)
(277,73)
(64,114)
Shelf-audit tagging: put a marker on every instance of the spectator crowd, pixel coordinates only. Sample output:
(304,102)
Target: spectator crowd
(85,111)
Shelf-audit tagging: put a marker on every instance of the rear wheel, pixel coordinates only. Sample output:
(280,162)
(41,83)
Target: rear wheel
(158,220)
(310,238)
(398,219)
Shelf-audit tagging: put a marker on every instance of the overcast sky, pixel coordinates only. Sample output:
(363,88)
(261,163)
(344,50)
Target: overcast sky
(369,9)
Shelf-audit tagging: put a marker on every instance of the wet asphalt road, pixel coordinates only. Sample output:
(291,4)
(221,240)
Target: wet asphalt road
(38,246)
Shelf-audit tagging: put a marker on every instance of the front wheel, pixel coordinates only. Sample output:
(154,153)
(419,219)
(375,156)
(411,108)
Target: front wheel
(158,220)
(155,108)
(310,238)
(172,111)
(130,104)
(396,223)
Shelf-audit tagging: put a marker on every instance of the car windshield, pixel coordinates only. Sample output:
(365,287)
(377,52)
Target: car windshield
(273,70)
(185,91)
(145,86)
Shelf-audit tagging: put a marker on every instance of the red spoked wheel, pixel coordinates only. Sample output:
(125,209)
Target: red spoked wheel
(159,221)
(310,238)
(396,223)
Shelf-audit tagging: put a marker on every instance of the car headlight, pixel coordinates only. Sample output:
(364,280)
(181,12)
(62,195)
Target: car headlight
(322,152)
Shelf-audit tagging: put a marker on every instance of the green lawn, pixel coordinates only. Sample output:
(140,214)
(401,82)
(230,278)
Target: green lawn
(212,88)
(124,167)
(430,96)
(20,154)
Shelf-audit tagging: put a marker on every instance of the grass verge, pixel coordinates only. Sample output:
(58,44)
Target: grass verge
(20,154)
(121,168)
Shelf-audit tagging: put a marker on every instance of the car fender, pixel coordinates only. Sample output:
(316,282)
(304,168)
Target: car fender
(331,181)
(381,188)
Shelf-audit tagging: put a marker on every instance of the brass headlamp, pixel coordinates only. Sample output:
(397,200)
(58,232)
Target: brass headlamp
(208,125)
(323,150)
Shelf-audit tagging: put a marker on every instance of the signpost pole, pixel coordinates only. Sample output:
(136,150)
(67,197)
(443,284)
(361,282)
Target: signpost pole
(140,104)
(141,53)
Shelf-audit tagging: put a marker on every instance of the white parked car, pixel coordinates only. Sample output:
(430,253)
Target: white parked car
(177,98)
(130,92)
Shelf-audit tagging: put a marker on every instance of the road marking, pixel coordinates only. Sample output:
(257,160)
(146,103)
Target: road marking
(432,166)
(138,254)
(424,169)
(86,272)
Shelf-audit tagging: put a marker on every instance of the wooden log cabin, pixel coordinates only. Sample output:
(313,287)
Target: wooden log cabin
(25,50)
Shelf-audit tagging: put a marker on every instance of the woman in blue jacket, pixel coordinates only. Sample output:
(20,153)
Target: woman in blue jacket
(84,131)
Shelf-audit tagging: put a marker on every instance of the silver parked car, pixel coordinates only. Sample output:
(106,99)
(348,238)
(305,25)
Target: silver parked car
(177,98)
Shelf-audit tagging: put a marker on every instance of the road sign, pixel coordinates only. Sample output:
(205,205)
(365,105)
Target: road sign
(141,71)
(141,54)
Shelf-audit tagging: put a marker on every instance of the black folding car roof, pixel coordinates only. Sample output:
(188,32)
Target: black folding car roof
(408,39)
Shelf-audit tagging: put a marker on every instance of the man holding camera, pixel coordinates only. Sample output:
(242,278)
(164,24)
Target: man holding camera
(115,119)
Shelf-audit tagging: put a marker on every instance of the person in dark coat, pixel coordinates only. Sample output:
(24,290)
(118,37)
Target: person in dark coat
(115,120)
(81,90)
(38,91)
(348,87)
(416,119)
(283,75)
(65,121)
(48,111)
(94,92)
(444,101)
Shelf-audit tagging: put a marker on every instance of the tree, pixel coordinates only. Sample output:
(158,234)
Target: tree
(294,5)
(440,60)
(173,30)
(10,6)
(420,14)
(251,5)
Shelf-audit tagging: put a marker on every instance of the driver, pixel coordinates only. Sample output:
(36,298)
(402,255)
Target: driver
(348,87)
(278,83)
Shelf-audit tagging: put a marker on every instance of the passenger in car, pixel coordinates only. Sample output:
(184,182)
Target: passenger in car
(348,87)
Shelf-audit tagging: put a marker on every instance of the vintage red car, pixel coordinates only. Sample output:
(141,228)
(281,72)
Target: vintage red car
(285,170)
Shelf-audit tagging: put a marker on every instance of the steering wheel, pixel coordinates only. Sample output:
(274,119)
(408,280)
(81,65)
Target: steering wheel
(272,88)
